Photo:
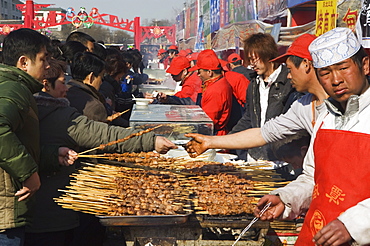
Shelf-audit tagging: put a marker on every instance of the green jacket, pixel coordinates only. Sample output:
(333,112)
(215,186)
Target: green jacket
(19,142)
(62,125)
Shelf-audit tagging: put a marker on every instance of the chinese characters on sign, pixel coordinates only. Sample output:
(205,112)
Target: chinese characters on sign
(350,18)
(326,16)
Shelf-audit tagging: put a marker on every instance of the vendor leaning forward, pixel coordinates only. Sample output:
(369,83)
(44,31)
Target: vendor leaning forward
(334,187)
(217,93)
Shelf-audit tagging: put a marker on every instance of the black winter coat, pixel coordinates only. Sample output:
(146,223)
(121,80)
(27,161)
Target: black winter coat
(279,94)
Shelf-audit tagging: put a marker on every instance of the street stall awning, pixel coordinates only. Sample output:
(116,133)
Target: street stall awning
(232,36)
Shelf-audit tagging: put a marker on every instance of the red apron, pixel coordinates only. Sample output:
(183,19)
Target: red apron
(341,166)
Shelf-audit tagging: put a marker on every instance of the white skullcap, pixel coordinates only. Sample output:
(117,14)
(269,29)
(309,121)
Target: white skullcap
(333,46)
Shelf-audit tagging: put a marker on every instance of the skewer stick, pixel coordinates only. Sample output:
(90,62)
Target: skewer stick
(116,115)
(102,146)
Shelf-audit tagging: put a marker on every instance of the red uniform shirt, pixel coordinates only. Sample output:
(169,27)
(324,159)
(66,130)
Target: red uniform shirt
(239,84)
(190,87)
(216,103)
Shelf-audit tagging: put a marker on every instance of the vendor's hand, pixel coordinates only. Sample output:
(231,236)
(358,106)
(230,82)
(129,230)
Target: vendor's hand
(274,211)
(162,97)
(30,186)
(66,156)
(163,145)
(198,145)
(148,95)
(334,233)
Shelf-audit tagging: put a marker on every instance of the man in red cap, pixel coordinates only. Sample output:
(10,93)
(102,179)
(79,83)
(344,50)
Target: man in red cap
(172,51)
(163,57)
(301,115)
(238,83)
(183,53)
(236,65)
(190,82)
(216,92)
(193,57)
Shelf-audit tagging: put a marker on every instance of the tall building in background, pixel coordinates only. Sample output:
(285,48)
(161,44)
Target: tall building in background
(9,10)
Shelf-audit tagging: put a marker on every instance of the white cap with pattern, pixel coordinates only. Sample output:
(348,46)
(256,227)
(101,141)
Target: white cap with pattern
(333,46)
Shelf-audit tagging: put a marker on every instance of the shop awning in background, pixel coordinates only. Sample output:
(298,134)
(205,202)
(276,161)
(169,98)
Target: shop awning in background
(232,36)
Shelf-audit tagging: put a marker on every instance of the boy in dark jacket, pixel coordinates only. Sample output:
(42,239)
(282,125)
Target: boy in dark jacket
(25,62)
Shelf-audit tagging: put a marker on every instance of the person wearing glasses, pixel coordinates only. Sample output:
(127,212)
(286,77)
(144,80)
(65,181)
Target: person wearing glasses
(269,94)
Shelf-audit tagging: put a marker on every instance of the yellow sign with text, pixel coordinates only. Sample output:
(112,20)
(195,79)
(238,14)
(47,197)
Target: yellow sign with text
(326,16)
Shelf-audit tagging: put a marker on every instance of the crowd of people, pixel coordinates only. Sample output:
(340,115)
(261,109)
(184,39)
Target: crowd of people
(51,108)
(307,107)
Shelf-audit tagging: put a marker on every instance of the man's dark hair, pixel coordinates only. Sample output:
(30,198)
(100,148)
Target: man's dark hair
(70,48)
(296,60)
(80,37)
(173,51)
(55,50)
(127,57)
(114,63)
(85,63)
(23,42)
(357,58)
(56,68)
(237,63)
(137,59)
(261,44)
(100,50)
(218,71)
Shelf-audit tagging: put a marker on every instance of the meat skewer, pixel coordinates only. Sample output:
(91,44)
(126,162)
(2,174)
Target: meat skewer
(102,146)
(116,115)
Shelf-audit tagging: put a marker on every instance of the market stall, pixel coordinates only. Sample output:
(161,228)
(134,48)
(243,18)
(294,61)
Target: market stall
(152,197)
(175,200)
(176,120)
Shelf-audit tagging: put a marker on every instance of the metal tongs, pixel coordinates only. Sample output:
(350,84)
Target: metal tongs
(252,222)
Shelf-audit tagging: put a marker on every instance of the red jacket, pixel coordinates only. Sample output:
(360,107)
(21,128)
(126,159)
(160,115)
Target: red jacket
(239,84)
(190,88)
(216,103)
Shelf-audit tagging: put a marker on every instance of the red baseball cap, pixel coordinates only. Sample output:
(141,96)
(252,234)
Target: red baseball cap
(298,48)
(161,51)
(173,47)
(224,64)
(233,58)
(178,64)
(193,56)
(183,53)
(207,59)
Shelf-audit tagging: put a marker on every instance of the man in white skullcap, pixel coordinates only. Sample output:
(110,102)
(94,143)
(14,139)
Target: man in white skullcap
(333,191)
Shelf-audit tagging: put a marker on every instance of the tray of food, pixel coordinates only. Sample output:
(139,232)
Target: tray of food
(145,220)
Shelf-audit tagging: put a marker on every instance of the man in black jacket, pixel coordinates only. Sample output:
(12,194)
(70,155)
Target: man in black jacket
(267,93)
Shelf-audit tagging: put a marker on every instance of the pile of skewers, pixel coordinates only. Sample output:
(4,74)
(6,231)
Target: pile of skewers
(117,190)
(150,184)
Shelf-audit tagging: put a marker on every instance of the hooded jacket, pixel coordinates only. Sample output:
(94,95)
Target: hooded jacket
(62,125)
(19,141)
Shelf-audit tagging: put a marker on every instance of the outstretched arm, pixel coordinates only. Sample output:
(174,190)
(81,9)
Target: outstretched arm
(246,139)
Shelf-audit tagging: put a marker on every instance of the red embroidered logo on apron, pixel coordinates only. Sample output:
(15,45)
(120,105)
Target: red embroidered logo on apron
(317,222)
